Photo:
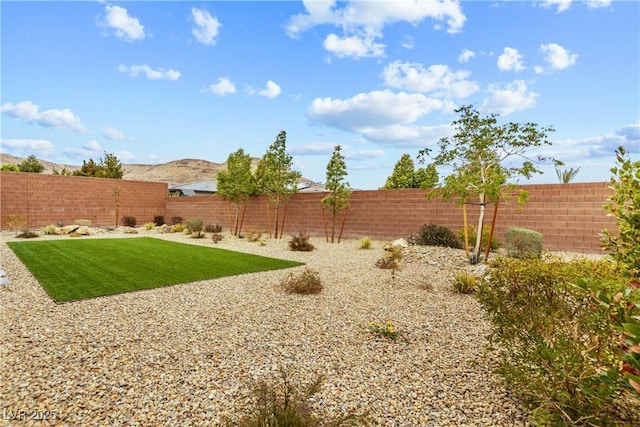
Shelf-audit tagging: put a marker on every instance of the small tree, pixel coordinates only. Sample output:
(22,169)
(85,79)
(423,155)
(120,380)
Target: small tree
(109,167)
(405,175)
(237,184)
(340,191)
(275,177)
(478,152)
(567,175)
(31,164)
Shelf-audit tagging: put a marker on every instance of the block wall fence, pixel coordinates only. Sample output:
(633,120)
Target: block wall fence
(570,216)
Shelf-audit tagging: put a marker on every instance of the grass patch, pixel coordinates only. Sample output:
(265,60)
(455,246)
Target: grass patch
(76,269)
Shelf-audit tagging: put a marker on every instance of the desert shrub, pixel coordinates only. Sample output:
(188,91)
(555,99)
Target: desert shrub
(365,243)
(307,282)
(252,234)
(523,243)
(216,237)
(552,342)
(194,225)
(50,229)
(27,234)
(438,235)
(14,222)
(129,221)
(158,220)
(391,259)
(149,225)
(176,220)
(472,234)
(465,283)
(211,228)
(83,222)
(300,242)
(177,228)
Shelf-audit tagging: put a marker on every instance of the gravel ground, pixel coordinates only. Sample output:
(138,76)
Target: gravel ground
(190,354)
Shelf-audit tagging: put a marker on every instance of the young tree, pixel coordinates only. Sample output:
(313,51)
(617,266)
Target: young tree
(405,175)
(31,164)
(275,177)
(109,167)
(567,175)
(237,184)
(478,152)
(340,191)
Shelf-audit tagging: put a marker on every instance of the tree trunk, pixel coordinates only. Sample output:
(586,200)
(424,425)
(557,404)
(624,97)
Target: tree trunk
(344,220)
(333,225)
(493,226)
(268,218)
(476,248)
(466,229)
(235,221)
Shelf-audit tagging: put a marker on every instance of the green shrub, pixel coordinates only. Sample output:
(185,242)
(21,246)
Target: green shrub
(365,243)
(194,225)
(437,235)
(50,229)
(149,225)
(177,228)
(129,221)
(465,283)
(523,243)
(472,234)
(552,342)
(300,242)
(210,228)
(158,220)
(308,282)
(83,222)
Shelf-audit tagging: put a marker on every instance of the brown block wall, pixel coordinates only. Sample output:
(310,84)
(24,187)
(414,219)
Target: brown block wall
(50,199)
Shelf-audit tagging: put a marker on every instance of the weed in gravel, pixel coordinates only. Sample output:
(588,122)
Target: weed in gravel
(385,330)
(306,283)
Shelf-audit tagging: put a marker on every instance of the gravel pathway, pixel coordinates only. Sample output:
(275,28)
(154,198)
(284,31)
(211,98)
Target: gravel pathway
(189,355)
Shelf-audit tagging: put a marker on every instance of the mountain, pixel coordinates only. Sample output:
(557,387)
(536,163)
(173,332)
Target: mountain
(174,173)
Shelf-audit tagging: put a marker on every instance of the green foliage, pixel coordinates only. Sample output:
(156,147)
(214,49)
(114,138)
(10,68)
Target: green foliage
(465,283)
(31,164)
(308,282)
(237,183)
(551,341)
(405,175)
(624,206)
(385,330)
(8,167)
(158,220)
(472,235)
(50,230)
(523,243)
(149,225)
(365,243)
(478,154)
(339,190)
(567,175)
(300,242)
(129,221)
(437,235)
(194,225)
(63,172)
(108,167)
(177,228)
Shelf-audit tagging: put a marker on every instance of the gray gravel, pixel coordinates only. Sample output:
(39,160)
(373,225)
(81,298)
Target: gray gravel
(190,354)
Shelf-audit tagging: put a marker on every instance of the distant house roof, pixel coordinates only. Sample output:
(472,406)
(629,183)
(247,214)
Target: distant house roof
(195,188)
(310,187)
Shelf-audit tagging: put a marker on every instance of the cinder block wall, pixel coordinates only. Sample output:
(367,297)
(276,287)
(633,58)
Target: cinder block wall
(50,199)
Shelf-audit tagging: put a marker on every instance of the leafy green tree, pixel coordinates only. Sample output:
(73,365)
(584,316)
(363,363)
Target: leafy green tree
(275,177)
(88,168)
(31,164)
(405,175)
(478,152)
(567,175)
(109,167)
(8,167)
(237,184)
(340,190)
(426,177)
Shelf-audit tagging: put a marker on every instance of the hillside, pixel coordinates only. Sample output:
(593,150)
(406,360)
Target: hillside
(174,173)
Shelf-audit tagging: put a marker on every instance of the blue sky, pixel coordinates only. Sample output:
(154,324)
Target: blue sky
(158,81)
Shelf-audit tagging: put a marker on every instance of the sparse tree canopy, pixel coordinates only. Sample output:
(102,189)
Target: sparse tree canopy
(405,175)
(237,183)
(478,153)
(340,190)
(31,164)
(109,167)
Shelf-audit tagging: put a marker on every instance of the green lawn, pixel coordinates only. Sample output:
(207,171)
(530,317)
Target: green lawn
(85,268)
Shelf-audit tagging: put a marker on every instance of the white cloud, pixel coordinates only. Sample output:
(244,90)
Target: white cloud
(356,46)
(408,136)
(350,154)
(115,134)
(512,97)
(466,55)
(157,74)
(408,42)
(53,118)
(206,27)
(271,91)
(510,60)
(311,149)
(438,79)
(42,147)
(223,87)
(561,5)
(126,27)
(557,56)
(92,145)
(362,22)
(594,4)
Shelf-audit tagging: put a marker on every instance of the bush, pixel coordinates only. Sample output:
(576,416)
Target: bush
(50,229)
(523,243)
(252,234)
(472,234)
(149,225)
(129,221)
(194,225)
(27,234)
(177,228)
(391,259)
(385,330)
(552,342)
(176,220)
(15,222)
(465,283)
(308,282)
(438,235)
(216,237)
(300,242)
(365,243)
(209,228)
(158,220)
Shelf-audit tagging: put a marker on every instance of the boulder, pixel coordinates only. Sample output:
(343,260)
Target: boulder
(401,243)
(68,229)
